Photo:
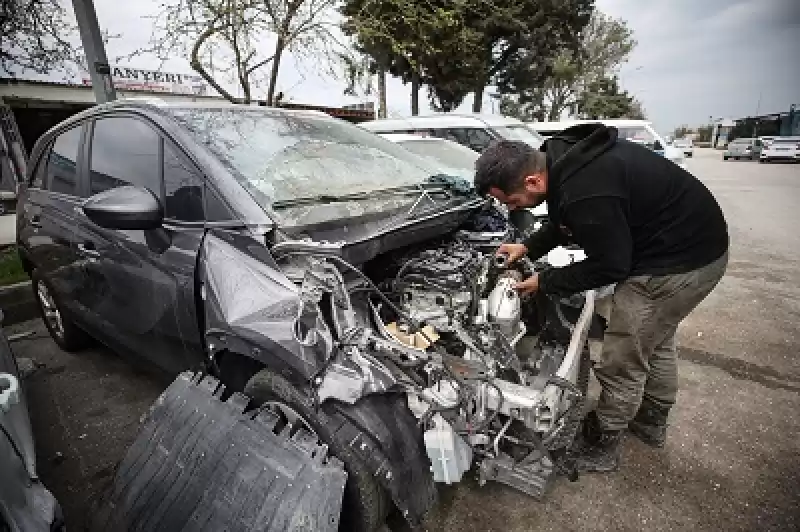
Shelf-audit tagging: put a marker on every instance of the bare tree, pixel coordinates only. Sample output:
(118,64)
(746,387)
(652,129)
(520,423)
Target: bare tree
(35,36)
(302,27)
(237,31)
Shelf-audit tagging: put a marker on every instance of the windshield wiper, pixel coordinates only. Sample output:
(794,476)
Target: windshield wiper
(340,198)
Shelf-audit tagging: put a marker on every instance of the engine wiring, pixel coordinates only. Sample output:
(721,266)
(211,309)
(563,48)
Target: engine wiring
(464,392)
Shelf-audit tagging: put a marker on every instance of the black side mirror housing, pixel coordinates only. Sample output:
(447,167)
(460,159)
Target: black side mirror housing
(125,208)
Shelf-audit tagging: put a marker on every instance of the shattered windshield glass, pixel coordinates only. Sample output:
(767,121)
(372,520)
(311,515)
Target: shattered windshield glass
(281,156)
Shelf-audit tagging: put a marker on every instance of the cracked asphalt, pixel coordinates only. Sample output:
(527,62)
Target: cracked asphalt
(732,461)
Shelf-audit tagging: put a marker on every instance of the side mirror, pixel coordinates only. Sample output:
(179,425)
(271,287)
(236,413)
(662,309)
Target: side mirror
(125,208)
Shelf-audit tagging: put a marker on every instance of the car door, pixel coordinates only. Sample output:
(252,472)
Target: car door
(50,215)
(142,289)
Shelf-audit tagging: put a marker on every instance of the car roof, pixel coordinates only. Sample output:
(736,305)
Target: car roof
(402,137)
(559,126)
(441,120)
(149,105)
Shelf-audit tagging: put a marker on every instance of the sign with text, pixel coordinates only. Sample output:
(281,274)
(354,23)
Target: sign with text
(126,78)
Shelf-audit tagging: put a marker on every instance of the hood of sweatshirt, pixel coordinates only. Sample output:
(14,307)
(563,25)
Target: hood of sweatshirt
(575,147)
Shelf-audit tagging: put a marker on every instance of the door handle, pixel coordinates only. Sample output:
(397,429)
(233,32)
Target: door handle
(87,250)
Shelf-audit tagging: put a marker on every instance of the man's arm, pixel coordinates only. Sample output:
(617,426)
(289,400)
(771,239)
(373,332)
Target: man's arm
(541,242)
(600,227)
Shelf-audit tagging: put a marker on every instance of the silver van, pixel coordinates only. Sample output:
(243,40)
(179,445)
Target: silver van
(744,148)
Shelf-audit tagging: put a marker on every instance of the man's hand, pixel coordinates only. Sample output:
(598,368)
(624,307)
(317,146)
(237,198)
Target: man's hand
(514,251)
(529,285)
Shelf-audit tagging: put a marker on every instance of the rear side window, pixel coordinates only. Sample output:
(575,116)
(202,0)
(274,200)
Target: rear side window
(62,173)
(124,152)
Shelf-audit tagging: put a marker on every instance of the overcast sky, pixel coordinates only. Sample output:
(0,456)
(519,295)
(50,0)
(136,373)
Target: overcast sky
(694,59)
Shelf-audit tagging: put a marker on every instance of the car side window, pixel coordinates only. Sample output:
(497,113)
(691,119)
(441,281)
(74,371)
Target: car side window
(474,138)
(124,151)
(62,173)
(216,210)
(183,188)
(478,139)
(451,134)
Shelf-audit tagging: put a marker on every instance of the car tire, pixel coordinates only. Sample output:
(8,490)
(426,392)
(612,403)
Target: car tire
(365,505)
(735,158)
(724,158)
(64,332)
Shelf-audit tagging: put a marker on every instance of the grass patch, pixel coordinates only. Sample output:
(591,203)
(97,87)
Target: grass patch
(11,267)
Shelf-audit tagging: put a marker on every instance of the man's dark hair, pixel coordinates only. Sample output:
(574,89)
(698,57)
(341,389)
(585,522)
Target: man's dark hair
(504,165)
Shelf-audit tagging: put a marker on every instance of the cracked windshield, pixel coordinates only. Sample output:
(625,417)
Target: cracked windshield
(281,157)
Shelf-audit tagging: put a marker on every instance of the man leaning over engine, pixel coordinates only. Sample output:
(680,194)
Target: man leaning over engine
(645,224)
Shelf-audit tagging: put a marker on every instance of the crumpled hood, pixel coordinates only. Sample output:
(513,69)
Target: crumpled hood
(574,148)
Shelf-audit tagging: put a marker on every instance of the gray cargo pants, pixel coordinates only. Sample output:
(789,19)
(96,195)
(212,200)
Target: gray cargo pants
(639,359)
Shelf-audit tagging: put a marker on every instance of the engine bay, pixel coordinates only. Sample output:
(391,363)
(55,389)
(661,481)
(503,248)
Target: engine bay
(495,379)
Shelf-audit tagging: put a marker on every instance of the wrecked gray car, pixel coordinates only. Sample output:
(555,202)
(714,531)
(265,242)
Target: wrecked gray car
(26,505)
(333,277)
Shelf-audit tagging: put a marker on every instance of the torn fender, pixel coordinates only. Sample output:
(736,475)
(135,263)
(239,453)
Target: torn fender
(250,306)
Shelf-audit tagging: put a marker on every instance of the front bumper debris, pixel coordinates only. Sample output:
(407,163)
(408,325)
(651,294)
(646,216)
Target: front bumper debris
(200,463)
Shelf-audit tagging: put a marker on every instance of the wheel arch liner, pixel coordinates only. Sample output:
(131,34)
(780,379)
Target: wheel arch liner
(383,432)
(203,464)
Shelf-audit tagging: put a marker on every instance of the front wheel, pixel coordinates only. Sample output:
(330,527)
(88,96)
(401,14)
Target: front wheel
(366,504)
(724,158)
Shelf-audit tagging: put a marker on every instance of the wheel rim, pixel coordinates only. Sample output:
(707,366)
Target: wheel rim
(50,310)
(291,417)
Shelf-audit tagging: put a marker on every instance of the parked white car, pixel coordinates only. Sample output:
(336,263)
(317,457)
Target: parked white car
(475,131)
(454,156)
(780,149)
(639,131)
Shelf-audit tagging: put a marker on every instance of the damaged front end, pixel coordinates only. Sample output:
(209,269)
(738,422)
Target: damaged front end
(488,379)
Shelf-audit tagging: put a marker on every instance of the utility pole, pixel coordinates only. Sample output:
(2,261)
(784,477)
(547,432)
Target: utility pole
(756,120)
(94,48)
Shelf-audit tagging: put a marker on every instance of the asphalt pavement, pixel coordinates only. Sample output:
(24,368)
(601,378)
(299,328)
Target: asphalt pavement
(732,461)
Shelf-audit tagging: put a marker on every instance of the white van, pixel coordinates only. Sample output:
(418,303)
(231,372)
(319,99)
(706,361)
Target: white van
(639,131)
(475,131)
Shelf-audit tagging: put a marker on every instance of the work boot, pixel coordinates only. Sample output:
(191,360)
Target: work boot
(598,451)
(650,424)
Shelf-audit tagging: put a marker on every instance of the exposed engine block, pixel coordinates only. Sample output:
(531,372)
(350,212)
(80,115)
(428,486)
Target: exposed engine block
(437,286)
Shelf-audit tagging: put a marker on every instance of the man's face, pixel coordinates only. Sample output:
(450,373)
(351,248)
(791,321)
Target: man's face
(532,192)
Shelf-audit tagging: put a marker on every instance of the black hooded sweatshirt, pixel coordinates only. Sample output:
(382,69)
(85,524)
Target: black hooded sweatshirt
(631,210)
